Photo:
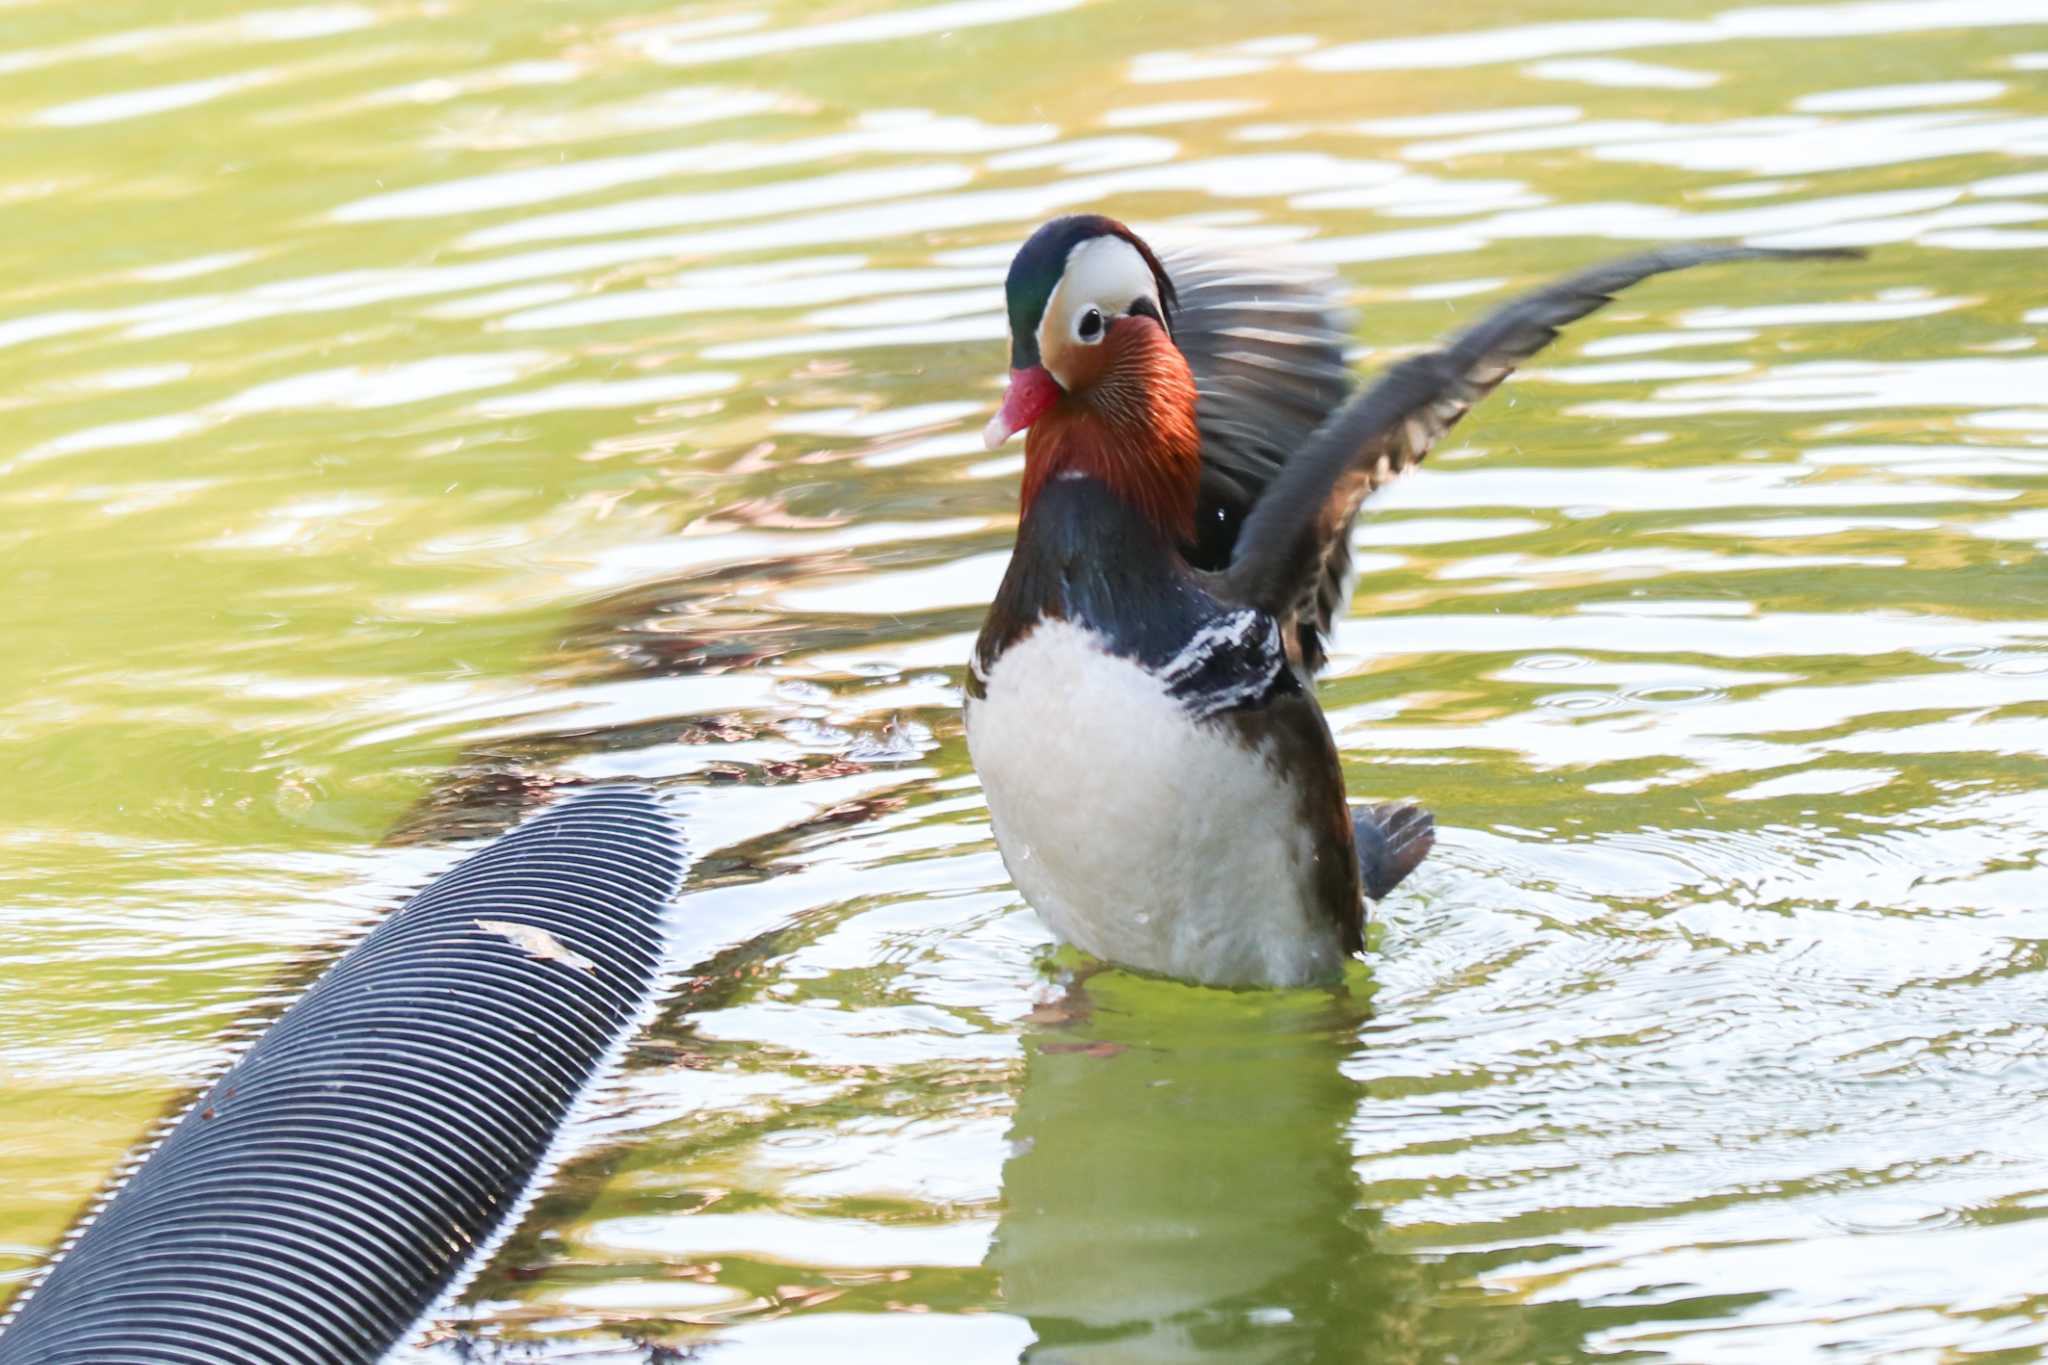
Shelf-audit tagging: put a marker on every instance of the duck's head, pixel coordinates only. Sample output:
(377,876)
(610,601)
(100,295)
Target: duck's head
(1096,381)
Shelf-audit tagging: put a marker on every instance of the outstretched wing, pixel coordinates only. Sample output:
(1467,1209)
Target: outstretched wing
(1266,345)
(1302,522)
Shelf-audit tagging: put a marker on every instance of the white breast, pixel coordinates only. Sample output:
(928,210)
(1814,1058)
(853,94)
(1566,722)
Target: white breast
(1139,834)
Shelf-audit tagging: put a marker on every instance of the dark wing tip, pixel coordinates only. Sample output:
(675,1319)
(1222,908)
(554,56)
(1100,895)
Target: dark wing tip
(1685,256)
(1702,253)
(1288,535)
(1817,253)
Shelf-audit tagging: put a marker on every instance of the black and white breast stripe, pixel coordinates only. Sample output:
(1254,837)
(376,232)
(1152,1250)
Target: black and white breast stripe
(1086,557)
(1235,661)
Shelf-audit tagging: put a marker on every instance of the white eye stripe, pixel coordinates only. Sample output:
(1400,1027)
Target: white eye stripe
(1106,274)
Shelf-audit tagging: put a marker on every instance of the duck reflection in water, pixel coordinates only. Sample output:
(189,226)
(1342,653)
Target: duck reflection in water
(1181,1189)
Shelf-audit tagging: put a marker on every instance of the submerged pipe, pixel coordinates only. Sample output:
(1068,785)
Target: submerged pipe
(325,1192)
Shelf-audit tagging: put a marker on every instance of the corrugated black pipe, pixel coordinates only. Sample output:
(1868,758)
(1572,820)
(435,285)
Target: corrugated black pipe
(327,1190)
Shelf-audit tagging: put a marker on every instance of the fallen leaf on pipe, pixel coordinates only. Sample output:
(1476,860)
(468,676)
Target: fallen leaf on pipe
(536,942)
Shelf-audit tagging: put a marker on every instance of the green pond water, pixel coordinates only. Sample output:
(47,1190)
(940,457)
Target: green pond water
(413,406)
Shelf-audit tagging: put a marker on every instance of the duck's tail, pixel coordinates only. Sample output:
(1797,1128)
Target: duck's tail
(1392,840)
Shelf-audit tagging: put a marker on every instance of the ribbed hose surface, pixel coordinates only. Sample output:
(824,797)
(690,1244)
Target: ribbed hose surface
(326,1190)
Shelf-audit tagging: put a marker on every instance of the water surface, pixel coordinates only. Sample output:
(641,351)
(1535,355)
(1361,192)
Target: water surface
(415,407)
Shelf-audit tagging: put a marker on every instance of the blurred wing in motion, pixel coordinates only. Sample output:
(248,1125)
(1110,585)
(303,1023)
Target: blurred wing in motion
(1300,525)
(1266,344)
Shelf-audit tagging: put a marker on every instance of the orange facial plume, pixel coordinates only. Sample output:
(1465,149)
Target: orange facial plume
(1131,425)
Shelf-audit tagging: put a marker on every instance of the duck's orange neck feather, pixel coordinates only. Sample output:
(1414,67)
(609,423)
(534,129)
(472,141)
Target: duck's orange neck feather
(1133,428)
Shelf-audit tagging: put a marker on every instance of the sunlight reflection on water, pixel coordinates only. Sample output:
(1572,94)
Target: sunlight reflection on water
(414,409)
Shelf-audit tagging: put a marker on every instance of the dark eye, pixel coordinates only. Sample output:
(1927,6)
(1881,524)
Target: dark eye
(1090,325)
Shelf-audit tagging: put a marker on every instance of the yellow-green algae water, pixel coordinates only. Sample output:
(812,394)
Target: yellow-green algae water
(412,406)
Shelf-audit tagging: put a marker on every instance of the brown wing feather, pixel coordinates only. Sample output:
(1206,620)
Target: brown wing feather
(1283,551)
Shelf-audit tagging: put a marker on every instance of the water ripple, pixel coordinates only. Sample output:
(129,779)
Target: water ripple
(415,410)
